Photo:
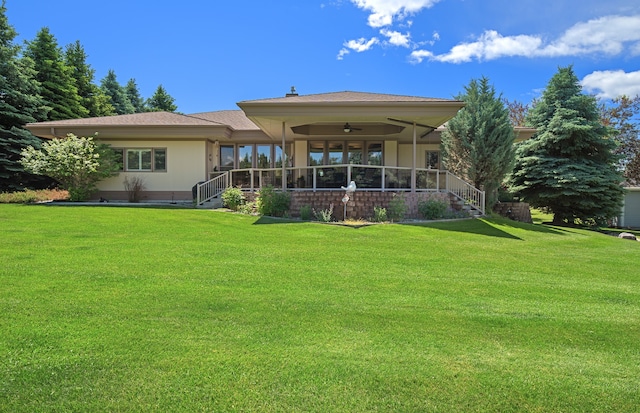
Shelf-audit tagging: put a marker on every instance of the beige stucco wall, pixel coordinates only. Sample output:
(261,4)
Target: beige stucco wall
(405,154)
(186,166)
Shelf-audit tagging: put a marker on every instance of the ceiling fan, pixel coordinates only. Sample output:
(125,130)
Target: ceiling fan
(348,128)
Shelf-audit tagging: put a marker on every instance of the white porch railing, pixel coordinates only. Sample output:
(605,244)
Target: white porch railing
(466,192)
(333,177)
(212,188)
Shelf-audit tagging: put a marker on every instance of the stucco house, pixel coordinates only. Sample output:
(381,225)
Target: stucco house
(311,145)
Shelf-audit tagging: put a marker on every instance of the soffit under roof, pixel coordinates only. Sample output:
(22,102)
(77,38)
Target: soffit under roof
(366,111)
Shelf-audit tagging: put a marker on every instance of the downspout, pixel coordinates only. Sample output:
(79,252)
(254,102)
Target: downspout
(415,160)
(284,163)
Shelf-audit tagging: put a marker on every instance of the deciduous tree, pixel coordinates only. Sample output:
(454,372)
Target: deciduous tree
(569,166)
(478,143)
(623,115)
(78,163)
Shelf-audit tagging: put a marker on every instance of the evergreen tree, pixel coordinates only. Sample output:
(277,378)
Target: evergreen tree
(132,92)
(58,87)
(110,86)
(161,101)
(93,99)
(478,143)
(569,166)
(20,103)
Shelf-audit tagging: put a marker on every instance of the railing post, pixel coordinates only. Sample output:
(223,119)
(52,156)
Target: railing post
(198,194)
(348,174)
(383,182)
(315,173)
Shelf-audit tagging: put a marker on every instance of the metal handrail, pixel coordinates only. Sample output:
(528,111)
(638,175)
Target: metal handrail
(212,188)
(466,192)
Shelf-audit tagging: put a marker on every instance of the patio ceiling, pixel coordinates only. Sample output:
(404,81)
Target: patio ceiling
(369,115)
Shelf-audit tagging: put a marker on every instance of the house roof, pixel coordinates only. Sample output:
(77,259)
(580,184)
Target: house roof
(136,119)
(236,119)
(344,97)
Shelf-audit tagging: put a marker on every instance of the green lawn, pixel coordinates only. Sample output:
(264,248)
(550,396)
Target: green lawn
(145,310)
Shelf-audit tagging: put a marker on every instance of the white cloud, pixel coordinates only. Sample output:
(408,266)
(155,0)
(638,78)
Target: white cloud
(417,56)
(383,12)
(611,35)
(361,44)
(342,53)
(396,38)
(610,84)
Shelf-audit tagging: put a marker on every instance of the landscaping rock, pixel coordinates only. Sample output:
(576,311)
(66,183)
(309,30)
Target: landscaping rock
(627,235)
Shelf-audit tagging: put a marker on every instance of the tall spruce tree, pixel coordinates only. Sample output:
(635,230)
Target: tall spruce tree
(20,103)
(58,87)
(133,93)
(478,143)
(110,86)
(161,101)
(569,166)
(93,99)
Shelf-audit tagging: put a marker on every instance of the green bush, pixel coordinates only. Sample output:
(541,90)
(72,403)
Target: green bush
(273,203)
(30,196)
(397,207)
(305,212)
(432,208)
(324,215)
(379,214)
(248,208)
(233,198)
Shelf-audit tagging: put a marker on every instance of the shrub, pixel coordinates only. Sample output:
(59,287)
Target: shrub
(305,212)
(134,187)
(324,215)
(273,203)
(29,196)
(233,198)
(379,214)
(248,208)
(432,208)
(397,207)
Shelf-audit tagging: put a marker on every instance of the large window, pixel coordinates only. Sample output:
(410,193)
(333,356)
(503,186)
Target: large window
(356,153)
(432,159)
(227,157)
(143,159)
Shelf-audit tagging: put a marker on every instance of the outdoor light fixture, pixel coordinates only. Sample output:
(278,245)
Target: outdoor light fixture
(347,128)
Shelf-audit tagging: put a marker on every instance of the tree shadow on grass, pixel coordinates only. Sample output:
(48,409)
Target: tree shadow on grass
(489,228)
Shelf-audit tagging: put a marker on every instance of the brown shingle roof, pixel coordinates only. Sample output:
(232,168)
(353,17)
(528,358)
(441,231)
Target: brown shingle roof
(136,119)
(347,96)
(234,118)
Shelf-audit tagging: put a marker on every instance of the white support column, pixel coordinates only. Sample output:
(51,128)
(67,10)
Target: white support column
(284,157)
(415,160)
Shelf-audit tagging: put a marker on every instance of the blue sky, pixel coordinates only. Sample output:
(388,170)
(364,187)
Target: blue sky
(210,54)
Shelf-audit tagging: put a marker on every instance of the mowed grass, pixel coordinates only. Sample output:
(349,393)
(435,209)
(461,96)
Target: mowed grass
(131,309)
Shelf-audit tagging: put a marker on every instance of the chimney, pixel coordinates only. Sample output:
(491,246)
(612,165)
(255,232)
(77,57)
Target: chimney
(292,93)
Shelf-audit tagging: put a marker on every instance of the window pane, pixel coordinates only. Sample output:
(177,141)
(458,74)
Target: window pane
(263,156)
(316,153)
(227,155)
(160,160)
(245,156)
(145,159)
(133,160)
(336,153)
(355,153)
(374,154)
(432,160)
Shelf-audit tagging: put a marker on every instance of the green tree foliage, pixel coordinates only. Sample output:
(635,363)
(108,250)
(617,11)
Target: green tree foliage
(161,101)
(569,166)
(110,86)
(78,163)
(133,94)
(93,99)
(623,115)
(58,87)
(20,103)
(478,143)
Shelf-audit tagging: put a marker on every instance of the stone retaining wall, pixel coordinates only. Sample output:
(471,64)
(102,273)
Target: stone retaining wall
(517,211)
